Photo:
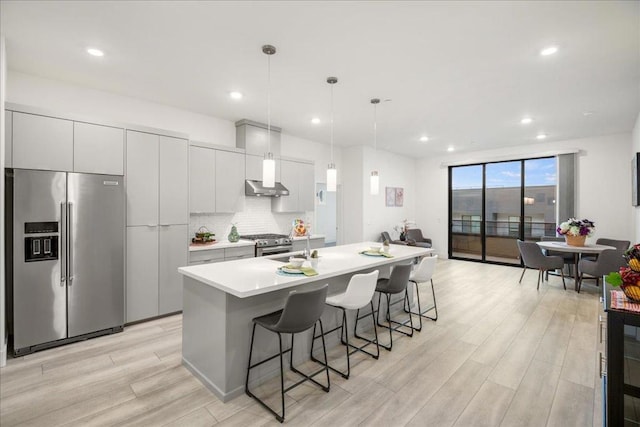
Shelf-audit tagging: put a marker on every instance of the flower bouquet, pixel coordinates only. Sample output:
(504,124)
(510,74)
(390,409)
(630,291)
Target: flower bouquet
(575,231)
(628,278)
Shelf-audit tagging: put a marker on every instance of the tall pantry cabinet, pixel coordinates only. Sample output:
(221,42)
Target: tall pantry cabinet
(157,223)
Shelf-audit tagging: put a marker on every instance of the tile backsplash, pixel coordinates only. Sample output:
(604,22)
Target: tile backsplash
(256,218)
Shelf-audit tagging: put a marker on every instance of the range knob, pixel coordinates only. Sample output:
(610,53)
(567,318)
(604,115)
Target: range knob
(262,243)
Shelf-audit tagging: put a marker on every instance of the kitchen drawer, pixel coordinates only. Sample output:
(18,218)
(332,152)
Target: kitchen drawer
(242,251)
(239,257)
(201,257)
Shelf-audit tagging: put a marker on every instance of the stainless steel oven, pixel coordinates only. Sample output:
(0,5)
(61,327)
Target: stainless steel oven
(270,244)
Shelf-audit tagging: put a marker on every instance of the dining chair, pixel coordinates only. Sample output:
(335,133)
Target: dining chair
(532,257)
(608,261)
(566,256)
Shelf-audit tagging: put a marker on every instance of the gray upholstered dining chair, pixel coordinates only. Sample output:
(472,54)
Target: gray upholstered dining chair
(608,261)
(568,257)
(414,237)
(532,257)
(621,245)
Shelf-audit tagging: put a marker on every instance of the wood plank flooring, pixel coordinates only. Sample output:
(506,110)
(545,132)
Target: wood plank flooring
(500,354)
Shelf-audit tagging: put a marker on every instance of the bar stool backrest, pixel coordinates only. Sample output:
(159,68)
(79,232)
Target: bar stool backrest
(399,278)
(424,270)
(302,309)
(360,289)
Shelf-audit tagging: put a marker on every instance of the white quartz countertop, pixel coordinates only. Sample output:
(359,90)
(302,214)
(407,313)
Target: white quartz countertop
(254,276)
(220,245)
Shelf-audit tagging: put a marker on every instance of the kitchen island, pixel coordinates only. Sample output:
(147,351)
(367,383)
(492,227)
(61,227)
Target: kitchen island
(221,299)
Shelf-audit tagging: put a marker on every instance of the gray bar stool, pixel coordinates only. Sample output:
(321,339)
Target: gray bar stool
(358,295)
(424,273)
(301,311)
(395,284)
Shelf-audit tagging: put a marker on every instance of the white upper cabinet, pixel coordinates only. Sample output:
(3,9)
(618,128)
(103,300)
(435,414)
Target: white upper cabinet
(41,142)
(174,181)
(8,135)
(98,149)
(202,180)
(253,167)
(229,172)
(143,170)
(298,178)
(307,190)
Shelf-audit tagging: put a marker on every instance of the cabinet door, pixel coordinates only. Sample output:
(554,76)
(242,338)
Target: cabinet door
(98,149)
(306,191)
(142,273)
(8,143)
(289,176)
(202,180)
(173,254)
(229,182)
(41,142)
(174,181)
(142,178)
(253,167)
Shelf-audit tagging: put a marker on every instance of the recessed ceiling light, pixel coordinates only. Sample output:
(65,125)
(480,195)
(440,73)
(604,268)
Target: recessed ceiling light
(236,95)
(588,113)
(95,52)
(526,120)
(550,50)
(315,120)
(450,149)
(424,138)
(541,136)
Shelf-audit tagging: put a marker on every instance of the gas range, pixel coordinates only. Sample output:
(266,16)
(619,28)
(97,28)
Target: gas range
(270,244)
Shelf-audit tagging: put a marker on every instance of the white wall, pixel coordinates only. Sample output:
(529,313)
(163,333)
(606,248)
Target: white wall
(352,183)
(394,171)
(635,148)
(603,184)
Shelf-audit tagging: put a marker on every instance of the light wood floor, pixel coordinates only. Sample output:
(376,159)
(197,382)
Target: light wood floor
(501,354)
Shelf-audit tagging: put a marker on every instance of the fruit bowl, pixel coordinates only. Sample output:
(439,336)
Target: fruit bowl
(632,292)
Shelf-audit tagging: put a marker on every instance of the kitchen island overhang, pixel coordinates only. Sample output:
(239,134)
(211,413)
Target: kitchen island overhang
(221,299)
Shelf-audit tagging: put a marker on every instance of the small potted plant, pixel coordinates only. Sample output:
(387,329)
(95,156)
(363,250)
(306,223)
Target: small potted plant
(314,259)
(575,231)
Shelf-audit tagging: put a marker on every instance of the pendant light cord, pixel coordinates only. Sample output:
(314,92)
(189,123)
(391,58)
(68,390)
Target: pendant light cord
(332,123)
(269,102)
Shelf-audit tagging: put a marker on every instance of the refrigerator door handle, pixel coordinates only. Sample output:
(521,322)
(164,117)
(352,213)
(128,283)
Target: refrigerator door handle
(63,244)
(69,243)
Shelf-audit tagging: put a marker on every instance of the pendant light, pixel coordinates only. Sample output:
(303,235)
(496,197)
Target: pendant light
(332,173)
(269,164)
(374,186)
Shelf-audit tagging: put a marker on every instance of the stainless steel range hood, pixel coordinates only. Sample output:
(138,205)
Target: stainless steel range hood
(253,137)
(255,188)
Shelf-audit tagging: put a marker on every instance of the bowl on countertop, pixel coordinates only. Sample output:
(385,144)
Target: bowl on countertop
(296,262)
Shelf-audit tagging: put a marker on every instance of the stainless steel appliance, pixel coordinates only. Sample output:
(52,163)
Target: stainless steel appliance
(270,244)
(65,266)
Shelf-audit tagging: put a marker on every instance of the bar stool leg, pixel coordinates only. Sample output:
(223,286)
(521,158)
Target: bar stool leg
(421,313)
(375,332)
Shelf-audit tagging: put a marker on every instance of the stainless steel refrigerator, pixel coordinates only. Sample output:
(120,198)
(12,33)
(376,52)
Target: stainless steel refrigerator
(65,272)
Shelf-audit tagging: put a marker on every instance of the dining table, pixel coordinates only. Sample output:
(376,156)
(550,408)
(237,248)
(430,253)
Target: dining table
(591,248)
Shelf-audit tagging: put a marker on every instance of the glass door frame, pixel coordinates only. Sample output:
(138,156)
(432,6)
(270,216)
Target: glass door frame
(483,220)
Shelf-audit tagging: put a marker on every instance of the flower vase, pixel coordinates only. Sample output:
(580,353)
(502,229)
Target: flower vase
(233,236)
(575,240)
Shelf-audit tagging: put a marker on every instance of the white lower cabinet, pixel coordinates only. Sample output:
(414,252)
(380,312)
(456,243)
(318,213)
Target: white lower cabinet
(154,286)
(142,273)
(301,244)
(222,254)
(173,253)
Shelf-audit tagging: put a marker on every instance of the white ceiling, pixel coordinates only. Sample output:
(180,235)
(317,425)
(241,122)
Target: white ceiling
(463,73)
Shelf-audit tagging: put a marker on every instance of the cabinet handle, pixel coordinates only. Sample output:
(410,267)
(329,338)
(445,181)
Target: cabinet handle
(603,325)
(602,359)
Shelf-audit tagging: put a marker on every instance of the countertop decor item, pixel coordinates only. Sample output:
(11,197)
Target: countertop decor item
(234,236)
(203,235)
(299,228)
(576,231)
(628,278)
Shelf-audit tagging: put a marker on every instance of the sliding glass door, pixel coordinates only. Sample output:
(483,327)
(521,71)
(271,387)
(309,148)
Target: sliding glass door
(494,204)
